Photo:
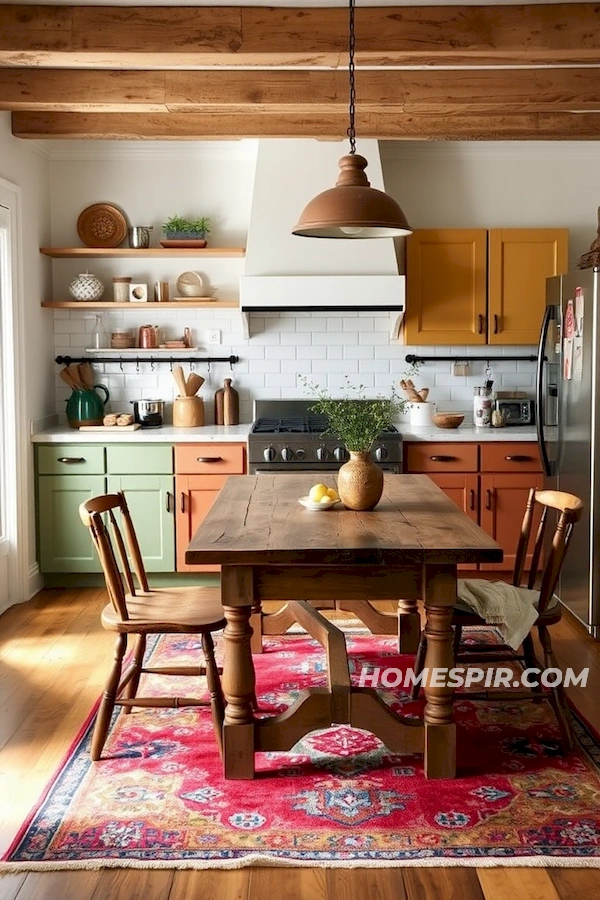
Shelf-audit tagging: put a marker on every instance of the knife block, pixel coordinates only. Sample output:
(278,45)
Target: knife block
(188,412)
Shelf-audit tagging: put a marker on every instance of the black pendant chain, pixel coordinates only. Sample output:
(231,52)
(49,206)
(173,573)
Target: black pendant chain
(351,43)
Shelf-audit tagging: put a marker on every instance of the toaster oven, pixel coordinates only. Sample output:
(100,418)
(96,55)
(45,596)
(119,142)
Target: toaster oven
(516,411)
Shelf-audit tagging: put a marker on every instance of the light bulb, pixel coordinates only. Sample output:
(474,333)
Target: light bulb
(351,229)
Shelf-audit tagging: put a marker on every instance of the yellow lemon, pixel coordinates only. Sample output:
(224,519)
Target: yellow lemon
(317,491)
(325,499)
(333,494)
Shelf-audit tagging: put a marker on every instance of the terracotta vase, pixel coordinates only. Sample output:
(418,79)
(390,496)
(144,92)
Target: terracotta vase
(360,482)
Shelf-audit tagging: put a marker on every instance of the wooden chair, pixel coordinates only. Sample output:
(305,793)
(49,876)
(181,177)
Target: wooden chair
(144,611)
(569,508)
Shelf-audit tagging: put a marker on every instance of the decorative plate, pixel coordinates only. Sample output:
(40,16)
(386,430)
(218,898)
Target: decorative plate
(102,225)
(310,504)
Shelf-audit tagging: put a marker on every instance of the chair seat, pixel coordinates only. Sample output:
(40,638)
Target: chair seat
(169,610)
(462,615)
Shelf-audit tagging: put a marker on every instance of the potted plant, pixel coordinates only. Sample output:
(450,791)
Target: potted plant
(190,231)
(357,421)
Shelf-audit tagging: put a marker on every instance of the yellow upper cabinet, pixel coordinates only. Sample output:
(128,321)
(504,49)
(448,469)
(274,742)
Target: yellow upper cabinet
(473,286)
(520,260)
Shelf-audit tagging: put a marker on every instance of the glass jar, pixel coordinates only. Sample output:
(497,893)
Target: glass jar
(121,289)
(482,407)
(99,335)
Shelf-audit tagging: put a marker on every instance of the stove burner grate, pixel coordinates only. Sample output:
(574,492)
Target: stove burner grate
(290,424)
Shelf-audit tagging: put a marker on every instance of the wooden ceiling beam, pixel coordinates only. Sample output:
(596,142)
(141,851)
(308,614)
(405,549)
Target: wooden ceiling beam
(146,37)
(471,91)
(326,126)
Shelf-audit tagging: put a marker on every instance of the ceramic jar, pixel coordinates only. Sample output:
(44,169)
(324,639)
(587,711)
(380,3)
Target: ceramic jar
(86,287)
(360,481)
(121,289)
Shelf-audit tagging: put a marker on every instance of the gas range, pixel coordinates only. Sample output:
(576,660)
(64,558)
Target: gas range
(287,437)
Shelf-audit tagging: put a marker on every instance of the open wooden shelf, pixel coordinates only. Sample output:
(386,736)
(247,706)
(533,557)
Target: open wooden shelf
(115,252)
(167,304)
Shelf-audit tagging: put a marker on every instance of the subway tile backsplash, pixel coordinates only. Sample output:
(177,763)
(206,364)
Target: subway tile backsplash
(323,347)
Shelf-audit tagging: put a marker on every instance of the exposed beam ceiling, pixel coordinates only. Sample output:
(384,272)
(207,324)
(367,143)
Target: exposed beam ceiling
(93,72)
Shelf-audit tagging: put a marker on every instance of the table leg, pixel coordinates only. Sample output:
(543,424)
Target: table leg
(409,626)
(439,591)
(238,687)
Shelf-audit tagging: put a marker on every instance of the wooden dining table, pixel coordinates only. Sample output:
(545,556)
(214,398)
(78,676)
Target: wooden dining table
(270,547)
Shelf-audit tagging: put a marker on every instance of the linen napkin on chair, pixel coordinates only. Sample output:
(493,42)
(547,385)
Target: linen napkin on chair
(512,609)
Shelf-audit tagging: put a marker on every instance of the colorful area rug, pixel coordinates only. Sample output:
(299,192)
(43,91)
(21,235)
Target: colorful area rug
(158,798)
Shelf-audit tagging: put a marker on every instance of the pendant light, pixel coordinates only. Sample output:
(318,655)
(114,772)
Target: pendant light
(352,209)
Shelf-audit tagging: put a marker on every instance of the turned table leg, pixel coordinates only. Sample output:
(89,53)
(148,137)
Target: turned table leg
(439,591)
(238,677)
(409,626)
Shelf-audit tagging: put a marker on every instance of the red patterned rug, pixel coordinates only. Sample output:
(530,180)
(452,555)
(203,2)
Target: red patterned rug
(158,798)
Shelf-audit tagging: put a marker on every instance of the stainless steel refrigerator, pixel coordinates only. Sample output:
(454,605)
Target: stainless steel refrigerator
(568,423)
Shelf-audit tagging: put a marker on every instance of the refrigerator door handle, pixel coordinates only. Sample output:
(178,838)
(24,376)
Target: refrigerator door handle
(540,391)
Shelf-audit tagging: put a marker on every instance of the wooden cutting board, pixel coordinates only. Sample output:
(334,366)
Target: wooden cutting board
(133,427)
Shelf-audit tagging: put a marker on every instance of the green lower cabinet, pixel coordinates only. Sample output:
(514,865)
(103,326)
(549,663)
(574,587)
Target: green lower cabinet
(64,542)
(150,501)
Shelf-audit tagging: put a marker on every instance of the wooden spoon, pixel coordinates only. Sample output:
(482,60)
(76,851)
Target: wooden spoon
(180,379)
(86,375)
(193,384)
(70,377)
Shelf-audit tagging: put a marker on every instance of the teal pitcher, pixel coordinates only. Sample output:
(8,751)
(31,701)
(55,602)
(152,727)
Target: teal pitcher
(86,407)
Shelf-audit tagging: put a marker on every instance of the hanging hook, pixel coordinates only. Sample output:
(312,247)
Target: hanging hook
(208,367)
(137,365)
(121,363)
(171,363)
(151,365)
(191,365)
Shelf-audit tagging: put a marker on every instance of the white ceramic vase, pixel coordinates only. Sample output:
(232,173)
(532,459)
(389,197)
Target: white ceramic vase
(86,287)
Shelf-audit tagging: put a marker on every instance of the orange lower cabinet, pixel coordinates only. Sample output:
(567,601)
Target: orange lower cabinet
(195,494)
(503,500)
(463,489)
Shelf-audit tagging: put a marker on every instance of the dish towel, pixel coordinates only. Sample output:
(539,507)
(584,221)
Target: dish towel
(512,609)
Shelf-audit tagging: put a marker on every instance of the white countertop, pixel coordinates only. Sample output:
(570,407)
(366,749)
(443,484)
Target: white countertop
(467,433)
(61,434)
(165,435)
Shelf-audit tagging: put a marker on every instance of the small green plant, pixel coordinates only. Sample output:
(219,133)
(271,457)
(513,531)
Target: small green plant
(191,227)
(355,419)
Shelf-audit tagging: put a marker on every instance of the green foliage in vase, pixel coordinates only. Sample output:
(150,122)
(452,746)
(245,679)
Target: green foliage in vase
(356,419)
(192,227)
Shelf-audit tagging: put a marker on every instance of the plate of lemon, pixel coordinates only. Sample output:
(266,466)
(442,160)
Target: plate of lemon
(320,497)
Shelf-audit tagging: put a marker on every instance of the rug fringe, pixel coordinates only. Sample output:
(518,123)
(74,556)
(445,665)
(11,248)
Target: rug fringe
(259,861)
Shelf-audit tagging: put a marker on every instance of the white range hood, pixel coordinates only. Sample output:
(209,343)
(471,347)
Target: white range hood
(288,273)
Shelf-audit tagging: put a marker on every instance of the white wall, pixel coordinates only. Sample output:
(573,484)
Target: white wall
(27,167)
(437,185)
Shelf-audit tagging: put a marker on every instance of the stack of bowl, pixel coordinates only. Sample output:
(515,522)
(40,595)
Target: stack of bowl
(121,340)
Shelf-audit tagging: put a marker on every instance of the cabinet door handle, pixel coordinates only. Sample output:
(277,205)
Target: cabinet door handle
(442,458)
(209,459)
(496,324)
(182,501)
(517,458)
(71,460)
(489,495)
(480,320)
(169,501)
(471,499)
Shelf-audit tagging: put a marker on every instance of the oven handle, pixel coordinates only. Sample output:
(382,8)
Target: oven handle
(320,473)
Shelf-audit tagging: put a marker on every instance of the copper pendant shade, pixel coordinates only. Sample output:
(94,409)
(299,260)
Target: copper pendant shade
(352,209)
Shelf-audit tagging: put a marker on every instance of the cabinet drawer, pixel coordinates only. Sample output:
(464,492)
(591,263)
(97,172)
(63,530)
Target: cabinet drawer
(438,457)
(72,459)
(209,459)
(510,457)
(141,459)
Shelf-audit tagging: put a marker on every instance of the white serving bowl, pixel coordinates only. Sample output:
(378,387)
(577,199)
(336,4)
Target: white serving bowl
(310,504)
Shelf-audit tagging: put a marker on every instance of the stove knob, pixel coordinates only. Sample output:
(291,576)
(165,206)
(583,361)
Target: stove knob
(322,454)
(300,453)
(381,454)
(340,454)
(287,454)
(269,454)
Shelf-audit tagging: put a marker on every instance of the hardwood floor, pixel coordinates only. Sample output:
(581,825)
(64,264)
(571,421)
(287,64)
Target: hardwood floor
(54,656)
